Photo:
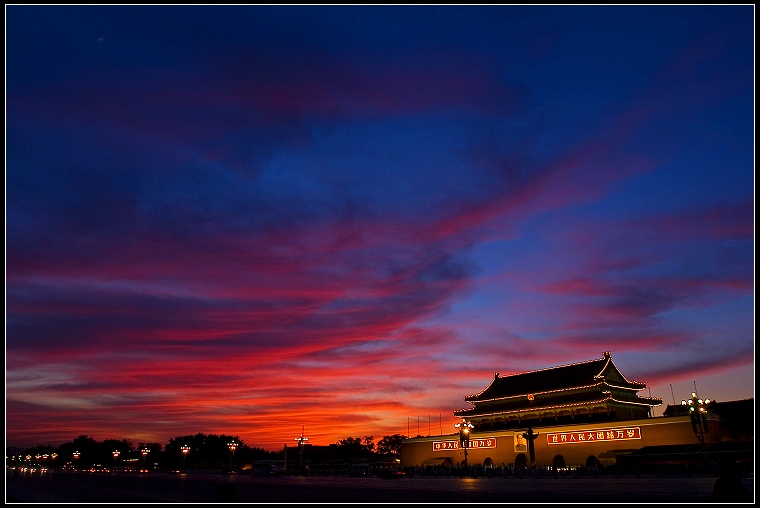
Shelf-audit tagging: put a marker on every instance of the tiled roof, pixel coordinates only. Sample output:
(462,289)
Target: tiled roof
(554,378)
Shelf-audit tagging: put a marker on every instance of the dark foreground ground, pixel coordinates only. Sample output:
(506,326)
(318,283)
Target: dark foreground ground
(59,487)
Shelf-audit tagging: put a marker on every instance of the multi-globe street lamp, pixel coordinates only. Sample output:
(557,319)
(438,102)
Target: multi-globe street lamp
(144,453)
(185,450)
(300,440)
(232,445)
(698,413)
(115,454)
(464,436)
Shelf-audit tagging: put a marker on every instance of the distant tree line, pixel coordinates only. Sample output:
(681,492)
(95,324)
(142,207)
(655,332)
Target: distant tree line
(366,447)
(203,451)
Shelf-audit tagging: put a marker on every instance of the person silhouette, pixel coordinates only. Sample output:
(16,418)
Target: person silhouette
(728,487)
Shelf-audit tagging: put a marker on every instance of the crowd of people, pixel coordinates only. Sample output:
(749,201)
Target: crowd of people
(724,469)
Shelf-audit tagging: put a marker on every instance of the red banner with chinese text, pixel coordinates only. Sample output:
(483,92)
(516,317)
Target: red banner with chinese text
(586,436)
(486,442)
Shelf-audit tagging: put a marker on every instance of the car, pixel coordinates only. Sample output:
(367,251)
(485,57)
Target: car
(391,474)
(266,470)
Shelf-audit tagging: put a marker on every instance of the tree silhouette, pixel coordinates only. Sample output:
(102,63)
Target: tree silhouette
(357,447)
(390,445)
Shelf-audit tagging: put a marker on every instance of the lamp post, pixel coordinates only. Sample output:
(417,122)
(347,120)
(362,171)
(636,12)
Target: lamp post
(300,440)
(144,453)
(185,450)
(464,436)
(115,454)
(232,445)
(698,413)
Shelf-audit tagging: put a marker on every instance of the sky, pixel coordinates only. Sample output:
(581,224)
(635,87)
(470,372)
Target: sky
(258,220)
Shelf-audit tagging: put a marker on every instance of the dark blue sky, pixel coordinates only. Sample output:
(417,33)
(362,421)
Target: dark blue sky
(344,217)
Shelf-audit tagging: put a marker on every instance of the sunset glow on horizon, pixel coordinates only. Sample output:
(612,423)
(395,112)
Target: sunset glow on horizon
(253,220)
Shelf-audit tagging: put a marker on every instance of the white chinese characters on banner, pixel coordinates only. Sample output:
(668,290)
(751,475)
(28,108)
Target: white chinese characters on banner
(486,442)
(586,436)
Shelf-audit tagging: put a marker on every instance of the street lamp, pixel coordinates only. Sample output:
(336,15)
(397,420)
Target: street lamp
(185,450)
(698,413)
(76,455)
(115,454)
(144,453)
(300,440)
(464,436)
(232,445)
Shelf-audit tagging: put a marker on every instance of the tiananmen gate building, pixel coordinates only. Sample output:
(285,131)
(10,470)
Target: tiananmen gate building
(583,413)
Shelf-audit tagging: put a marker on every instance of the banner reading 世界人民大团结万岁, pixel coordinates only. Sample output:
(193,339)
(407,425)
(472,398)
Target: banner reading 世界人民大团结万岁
(586,436)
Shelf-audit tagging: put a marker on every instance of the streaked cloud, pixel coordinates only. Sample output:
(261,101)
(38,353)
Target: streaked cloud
(256,214)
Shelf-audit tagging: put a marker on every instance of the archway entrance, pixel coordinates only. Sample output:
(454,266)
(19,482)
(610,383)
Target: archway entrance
(488,462)
(521,460)
(558,462)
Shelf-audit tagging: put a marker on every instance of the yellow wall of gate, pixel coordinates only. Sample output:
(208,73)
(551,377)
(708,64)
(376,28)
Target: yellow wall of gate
(575,443)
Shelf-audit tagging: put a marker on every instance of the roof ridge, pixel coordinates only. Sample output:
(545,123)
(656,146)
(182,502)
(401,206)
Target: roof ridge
(555,367)
(498,378)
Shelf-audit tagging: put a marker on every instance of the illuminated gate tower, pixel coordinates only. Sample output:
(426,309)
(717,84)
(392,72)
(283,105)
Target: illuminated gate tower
(590,391)
(582,413)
